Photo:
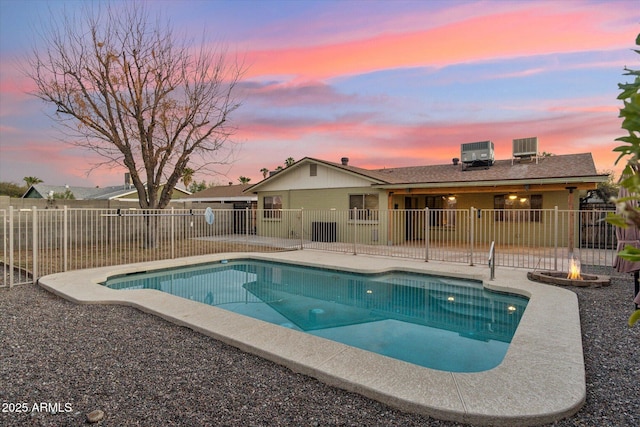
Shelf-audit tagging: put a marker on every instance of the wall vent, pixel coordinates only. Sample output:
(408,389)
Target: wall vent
(477,153)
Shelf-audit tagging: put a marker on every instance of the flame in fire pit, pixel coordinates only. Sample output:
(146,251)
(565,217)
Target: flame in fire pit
(574,269)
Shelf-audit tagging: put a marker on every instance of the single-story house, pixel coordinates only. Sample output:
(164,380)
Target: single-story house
(232,194)
(231,197)
(524,182)
(125,193)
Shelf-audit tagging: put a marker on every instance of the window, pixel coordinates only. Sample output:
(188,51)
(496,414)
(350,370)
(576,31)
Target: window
(272,206)
(366,206)
(434,202)
(512,207)
(443,213)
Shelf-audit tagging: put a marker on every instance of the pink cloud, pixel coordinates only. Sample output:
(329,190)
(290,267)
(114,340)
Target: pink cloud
(378,145)
(293,93)
(547,30)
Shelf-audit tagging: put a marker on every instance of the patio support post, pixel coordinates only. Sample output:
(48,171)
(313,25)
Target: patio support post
(427,221)
(471,233)
(34,237)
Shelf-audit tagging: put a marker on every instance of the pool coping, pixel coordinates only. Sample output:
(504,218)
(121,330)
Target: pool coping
(540,380)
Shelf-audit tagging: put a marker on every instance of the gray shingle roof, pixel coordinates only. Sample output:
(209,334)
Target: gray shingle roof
(221,191)
(556,168)
(559,167)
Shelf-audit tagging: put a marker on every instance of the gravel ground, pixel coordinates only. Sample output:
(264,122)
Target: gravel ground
(60,361)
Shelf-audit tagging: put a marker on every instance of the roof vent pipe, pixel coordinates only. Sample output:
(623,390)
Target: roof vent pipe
(345,161)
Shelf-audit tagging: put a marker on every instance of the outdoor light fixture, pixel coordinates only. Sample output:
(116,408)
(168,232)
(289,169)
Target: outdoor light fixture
(452,198)
(511,309)
(451,299)
(523,200)
(512,196)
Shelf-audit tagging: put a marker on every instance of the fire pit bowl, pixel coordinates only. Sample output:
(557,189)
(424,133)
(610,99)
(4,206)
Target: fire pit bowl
(560,278)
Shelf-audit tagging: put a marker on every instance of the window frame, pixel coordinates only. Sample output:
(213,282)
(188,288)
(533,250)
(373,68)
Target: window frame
(366,212)
(445,209)
(271,209)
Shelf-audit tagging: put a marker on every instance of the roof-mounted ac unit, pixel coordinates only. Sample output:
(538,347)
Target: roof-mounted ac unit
(477,153)
(525,148)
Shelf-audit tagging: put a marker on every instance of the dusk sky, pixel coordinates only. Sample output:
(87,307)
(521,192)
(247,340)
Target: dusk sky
(385,83)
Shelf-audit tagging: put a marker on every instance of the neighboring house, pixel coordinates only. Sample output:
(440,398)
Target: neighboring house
(525,182)
(124,193)
(233,194)
(230,197)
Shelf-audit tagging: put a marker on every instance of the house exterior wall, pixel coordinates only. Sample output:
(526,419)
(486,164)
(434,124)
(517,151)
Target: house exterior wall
(406,227)
(299,177)
(334,204)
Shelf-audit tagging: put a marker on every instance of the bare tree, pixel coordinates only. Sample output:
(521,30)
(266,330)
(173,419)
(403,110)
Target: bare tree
(124,86)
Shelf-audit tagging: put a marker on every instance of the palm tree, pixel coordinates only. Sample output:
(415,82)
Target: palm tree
(244,180)
(265,172)
(32,180)
(187,177)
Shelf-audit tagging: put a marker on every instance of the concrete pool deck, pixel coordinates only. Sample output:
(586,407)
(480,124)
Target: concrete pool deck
(540,380)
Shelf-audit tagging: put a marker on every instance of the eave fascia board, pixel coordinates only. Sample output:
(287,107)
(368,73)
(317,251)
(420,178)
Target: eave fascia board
(499,183)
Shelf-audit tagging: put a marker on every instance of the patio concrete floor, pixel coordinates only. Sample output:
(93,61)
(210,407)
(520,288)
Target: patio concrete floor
(541,379)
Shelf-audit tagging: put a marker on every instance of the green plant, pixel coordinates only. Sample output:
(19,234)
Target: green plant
(629,205)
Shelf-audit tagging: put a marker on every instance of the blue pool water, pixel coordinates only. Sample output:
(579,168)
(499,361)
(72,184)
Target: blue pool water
(440,323)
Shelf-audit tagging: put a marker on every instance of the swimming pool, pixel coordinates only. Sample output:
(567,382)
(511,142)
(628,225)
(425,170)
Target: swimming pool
(540,380)
(440,323)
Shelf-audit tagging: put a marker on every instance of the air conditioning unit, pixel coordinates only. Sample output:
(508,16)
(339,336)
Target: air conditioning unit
(525,148)
(477,153)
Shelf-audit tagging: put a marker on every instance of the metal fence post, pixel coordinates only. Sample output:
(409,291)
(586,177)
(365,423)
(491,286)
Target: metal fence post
(471,233)
(355,229)
(301,228)
(492,261)
(11,259)
(173,233)
(246,229)
(34,241)
(5,241)
(65,238)
(555,238)
(427,222)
